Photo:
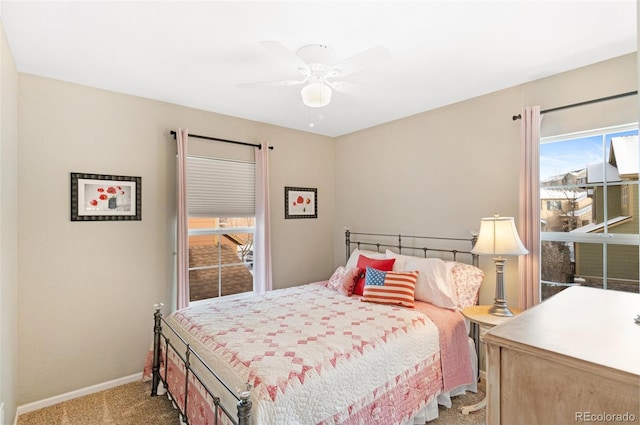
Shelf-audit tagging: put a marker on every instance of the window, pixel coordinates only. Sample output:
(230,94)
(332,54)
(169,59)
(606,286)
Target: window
(590,210)
(554,205)
(221,205)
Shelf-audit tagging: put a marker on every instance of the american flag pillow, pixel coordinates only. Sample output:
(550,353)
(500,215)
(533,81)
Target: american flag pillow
(396,288)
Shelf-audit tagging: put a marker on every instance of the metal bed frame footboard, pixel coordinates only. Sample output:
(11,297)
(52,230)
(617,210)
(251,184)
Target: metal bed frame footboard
(365,239)
(161,349)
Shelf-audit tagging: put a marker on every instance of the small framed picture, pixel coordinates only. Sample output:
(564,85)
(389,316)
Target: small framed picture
(300,202)
(102,197)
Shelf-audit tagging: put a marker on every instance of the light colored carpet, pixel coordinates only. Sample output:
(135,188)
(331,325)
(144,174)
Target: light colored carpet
(128,404)
(131,405)
(453,416)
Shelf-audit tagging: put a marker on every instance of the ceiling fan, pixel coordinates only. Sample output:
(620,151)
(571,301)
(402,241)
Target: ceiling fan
(320,71)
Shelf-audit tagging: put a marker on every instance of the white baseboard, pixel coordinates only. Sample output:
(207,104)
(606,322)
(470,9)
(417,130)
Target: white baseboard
(30,407)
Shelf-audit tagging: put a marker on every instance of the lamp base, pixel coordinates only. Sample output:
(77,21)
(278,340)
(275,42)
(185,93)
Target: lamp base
(499,302)
(500,309)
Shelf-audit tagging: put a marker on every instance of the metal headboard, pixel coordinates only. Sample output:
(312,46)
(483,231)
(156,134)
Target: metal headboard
(427,244)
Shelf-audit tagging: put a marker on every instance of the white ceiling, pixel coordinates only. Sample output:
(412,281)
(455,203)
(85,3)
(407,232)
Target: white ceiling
(194,53)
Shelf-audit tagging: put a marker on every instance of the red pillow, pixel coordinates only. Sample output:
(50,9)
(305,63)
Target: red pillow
(385,265)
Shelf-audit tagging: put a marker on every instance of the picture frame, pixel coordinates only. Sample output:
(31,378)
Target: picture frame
(300,202)
(104,197)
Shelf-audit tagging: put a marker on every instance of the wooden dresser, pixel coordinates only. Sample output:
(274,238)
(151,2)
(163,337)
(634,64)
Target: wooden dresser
(574,358)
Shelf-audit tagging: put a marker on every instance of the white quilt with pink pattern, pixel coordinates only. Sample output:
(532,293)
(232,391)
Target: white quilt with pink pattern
(315,356)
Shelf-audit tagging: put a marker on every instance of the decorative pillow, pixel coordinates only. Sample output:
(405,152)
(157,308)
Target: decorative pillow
(385,265)
(343,280)
(466,280)
(353,258)
(434,279)
(387,287)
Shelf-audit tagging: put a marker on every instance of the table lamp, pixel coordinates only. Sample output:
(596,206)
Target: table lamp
(498,236)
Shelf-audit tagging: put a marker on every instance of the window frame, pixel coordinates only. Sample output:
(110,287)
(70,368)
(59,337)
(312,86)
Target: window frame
(605,238)
(214,194)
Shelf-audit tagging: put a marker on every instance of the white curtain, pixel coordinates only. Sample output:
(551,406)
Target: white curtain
(529,216)
(262,280)
(182,234)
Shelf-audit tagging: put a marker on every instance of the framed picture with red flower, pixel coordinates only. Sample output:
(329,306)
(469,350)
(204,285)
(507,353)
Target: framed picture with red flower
(300,202)
(102,197)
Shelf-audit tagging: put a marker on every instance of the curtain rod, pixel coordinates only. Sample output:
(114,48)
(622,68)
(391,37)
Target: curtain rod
(173,133)
(602,99)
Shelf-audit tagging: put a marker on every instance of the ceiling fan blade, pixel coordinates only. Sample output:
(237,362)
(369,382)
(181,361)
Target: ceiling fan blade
(271,83)
(345,87)
(360,61)
(279,50)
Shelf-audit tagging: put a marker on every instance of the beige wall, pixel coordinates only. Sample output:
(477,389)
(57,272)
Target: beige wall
(439,172)
(87,288)
(8,228)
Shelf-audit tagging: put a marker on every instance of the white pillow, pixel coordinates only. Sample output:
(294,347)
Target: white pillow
(434,283)
(353,258)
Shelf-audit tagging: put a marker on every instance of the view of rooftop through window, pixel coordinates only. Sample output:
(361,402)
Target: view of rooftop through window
(564,156)
(220,256)
(589,210)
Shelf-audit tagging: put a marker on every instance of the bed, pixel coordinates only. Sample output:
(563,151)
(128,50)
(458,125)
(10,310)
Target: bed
(353,349)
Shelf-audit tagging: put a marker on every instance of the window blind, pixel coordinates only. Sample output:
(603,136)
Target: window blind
(220,187)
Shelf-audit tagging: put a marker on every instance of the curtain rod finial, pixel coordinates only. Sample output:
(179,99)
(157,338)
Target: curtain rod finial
(516,117)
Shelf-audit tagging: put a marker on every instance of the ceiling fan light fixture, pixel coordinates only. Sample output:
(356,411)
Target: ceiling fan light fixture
(316,95)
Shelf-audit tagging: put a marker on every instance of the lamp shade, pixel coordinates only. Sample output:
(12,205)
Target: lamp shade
(316,95)
(498,236)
